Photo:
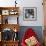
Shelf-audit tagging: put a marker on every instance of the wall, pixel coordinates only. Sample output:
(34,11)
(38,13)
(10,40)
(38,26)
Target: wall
(6,3)
(38,5)
(37,29)
(26,3)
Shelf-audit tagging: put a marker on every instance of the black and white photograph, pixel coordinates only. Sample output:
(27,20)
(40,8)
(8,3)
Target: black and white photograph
(30,13)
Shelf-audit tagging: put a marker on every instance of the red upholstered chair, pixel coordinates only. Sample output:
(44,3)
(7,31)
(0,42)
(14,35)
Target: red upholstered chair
(29,33)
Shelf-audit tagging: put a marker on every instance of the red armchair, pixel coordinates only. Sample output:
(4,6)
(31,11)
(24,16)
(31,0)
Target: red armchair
(28,34)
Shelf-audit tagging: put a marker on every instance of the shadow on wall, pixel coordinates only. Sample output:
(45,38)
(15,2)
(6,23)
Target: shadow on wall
(37,29)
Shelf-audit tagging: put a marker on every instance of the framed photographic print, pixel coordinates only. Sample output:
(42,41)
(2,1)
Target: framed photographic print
(30,13)
(5,12)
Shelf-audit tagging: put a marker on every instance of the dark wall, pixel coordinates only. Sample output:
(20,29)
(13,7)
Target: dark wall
(37,29)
